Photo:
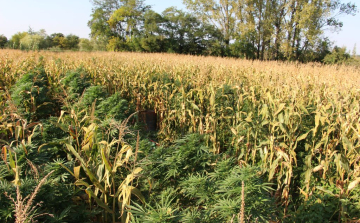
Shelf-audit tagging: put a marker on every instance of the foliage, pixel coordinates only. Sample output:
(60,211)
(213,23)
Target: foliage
(39,40)
(32,95)
(289,131)
(93,94)
(220,191)
(85,45)
(75,83)
(14,42)
(164,210)
(115,44)
(114,106)
(43,151)
(337,56)
(3,41)
(32,42)
(70,42)
(47,198)
(204,196)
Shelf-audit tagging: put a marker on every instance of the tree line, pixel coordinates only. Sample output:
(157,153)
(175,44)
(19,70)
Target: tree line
(252,29)
(39,40)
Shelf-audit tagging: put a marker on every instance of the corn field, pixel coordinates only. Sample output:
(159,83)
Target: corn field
(300,123)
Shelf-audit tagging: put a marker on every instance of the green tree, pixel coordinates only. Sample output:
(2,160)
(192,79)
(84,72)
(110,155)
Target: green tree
(58,40)
(258,29)
(221,14)
(176,27)
(71,42)
(55,39)
(101,32)
(278,6)
(118,19)
(322,49)
(98,24)
(337,56)
(307,20)
(255,29)
(85,45)
(186,34)
(15,40)
(3,41)
(32,42)
(115,44)
(244,46)
(274,29)
(153,39)
(127,19)
(99,43)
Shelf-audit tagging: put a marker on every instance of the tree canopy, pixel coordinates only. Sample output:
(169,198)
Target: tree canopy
(39,40)
(253,29)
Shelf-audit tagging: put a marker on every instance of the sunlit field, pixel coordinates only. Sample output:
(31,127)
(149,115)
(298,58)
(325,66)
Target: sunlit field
(289,131)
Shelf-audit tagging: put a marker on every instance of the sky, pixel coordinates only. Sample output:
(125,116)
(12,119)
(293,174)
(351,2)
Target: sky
(72,16)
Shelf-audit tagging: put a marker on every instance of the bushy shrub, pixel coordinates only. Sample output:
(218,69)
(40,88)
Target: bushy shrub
(168,165)
(208,187)
(114,106)
(75,82)
(164,209)
(93,94)
(31,95)
(55,198)
(220,192)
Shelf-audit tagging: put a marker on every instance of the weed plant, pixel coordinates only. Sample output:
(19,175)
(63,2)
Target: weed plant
(289,131)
